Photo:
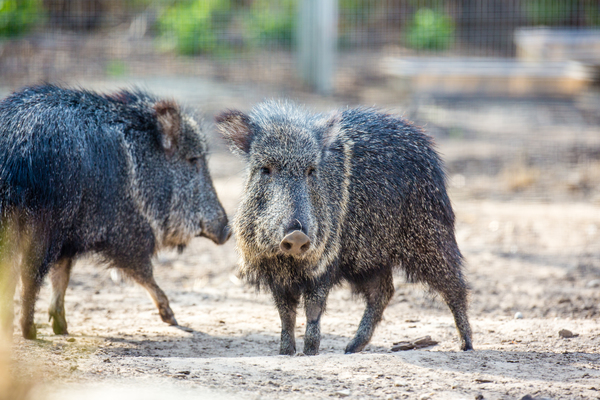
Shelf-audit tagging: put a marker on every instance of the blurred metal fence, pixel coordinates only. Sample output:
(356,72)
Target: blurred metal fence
(521,75)
(262,35)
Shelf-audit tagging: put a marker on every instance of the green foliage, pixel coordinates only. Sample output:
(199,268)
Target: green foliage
(115,68)
(18,16)
(553,12)
(592,14)
(191,26)
(272,21)
(430,30)
(355,10)
(205,26)
(544,12)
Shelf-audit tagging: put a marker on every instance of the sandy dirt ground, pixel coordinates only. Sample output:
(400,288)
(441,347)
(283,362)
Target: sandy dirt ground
(530,232)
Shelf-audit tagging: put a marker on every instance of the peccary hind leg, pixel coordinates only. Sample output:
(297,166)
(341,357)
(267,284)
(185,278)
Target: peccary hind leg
(377,292)
(459,310)
(454,294)
(314,303)
(59,276)
(143,275)
(287,303)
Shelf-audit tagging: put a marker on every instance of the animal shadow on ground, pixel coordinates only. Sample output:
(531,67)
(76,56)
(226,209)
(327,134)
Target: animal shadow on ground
(202,345)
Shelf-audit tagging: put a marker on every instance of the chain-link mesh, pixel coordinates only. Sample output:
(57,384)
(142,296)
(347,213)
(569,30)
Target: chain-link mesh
(521,73)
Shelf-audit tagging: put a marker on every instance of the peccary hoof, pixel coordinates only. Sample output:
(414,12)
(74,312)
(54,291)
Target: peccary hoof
(354,347)
(30,332)
(466,344)
(59,325)
(311,351)
(287,351)
(170,320)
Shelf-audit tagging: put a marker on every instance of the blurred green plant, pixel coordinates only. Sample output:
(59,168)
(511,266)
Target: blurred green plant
(552,12)
(116,68)
(272,22)
(192,26)
(209,26)
(19,16)
(430,30)
(356,10)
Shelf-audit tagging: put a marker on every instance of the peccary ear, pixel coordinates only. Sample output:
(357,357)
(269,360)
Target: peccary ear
(169,121)
(331,130)
(235,127)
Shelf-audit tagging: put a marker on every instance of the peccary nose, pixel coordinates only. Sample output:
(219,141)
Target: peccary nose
(295,243)
(217,231)
(225,234)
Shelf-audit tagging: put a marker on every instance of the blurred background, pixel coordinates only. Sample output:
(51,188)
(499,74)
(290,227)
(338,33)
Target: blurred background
(516,79)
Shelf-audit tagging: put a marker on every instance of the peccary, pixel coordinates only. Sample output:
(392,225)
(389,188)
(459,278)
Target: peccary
(120,175)
(342,197)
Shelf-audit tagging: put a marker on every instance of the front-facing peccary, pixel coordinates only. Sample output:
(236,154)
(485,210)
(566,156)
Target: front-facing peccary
(121,175)
(348,196)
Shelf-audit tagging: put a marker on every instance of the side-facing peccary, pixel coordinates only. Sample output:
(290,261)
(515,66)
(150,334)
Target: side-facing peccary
(121,175)
(348,196)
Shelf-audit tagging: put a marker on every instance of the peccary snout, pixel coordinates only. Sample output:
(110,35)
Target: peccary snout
(295,243)
(217,230)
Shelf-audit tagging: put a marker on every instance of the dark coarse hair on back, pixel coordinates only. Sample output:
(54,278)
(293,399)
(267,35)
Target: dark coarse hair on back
(121,175)
(347,196)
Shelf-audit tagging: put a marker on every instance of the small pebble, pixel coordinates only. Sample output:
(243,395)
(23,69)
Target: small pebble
(71,339)
(399,383)
(518,315)
(566,334)
(343,393)
(115,276)
(593,283)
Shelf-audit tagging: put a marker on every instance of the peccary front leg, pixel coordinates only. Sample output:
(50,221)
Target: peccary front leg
(377,292)
(314,303)
(30,286)
(35,261)
(60,274)
(287,304)
(143,275)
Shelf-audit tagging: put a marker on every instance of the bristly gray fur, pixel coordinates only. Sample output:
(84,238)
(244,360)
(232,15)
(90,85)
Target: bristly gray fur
(369,191)
(121,175)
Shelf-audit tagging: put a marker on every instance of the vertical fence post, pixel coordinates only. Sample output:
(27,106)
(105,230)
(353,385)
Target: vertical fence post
(317,42)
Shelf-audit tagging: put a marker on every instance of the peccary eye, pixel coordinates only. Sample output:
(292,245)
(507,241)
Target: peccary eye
(310,171)
(193,160)
(265,171)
